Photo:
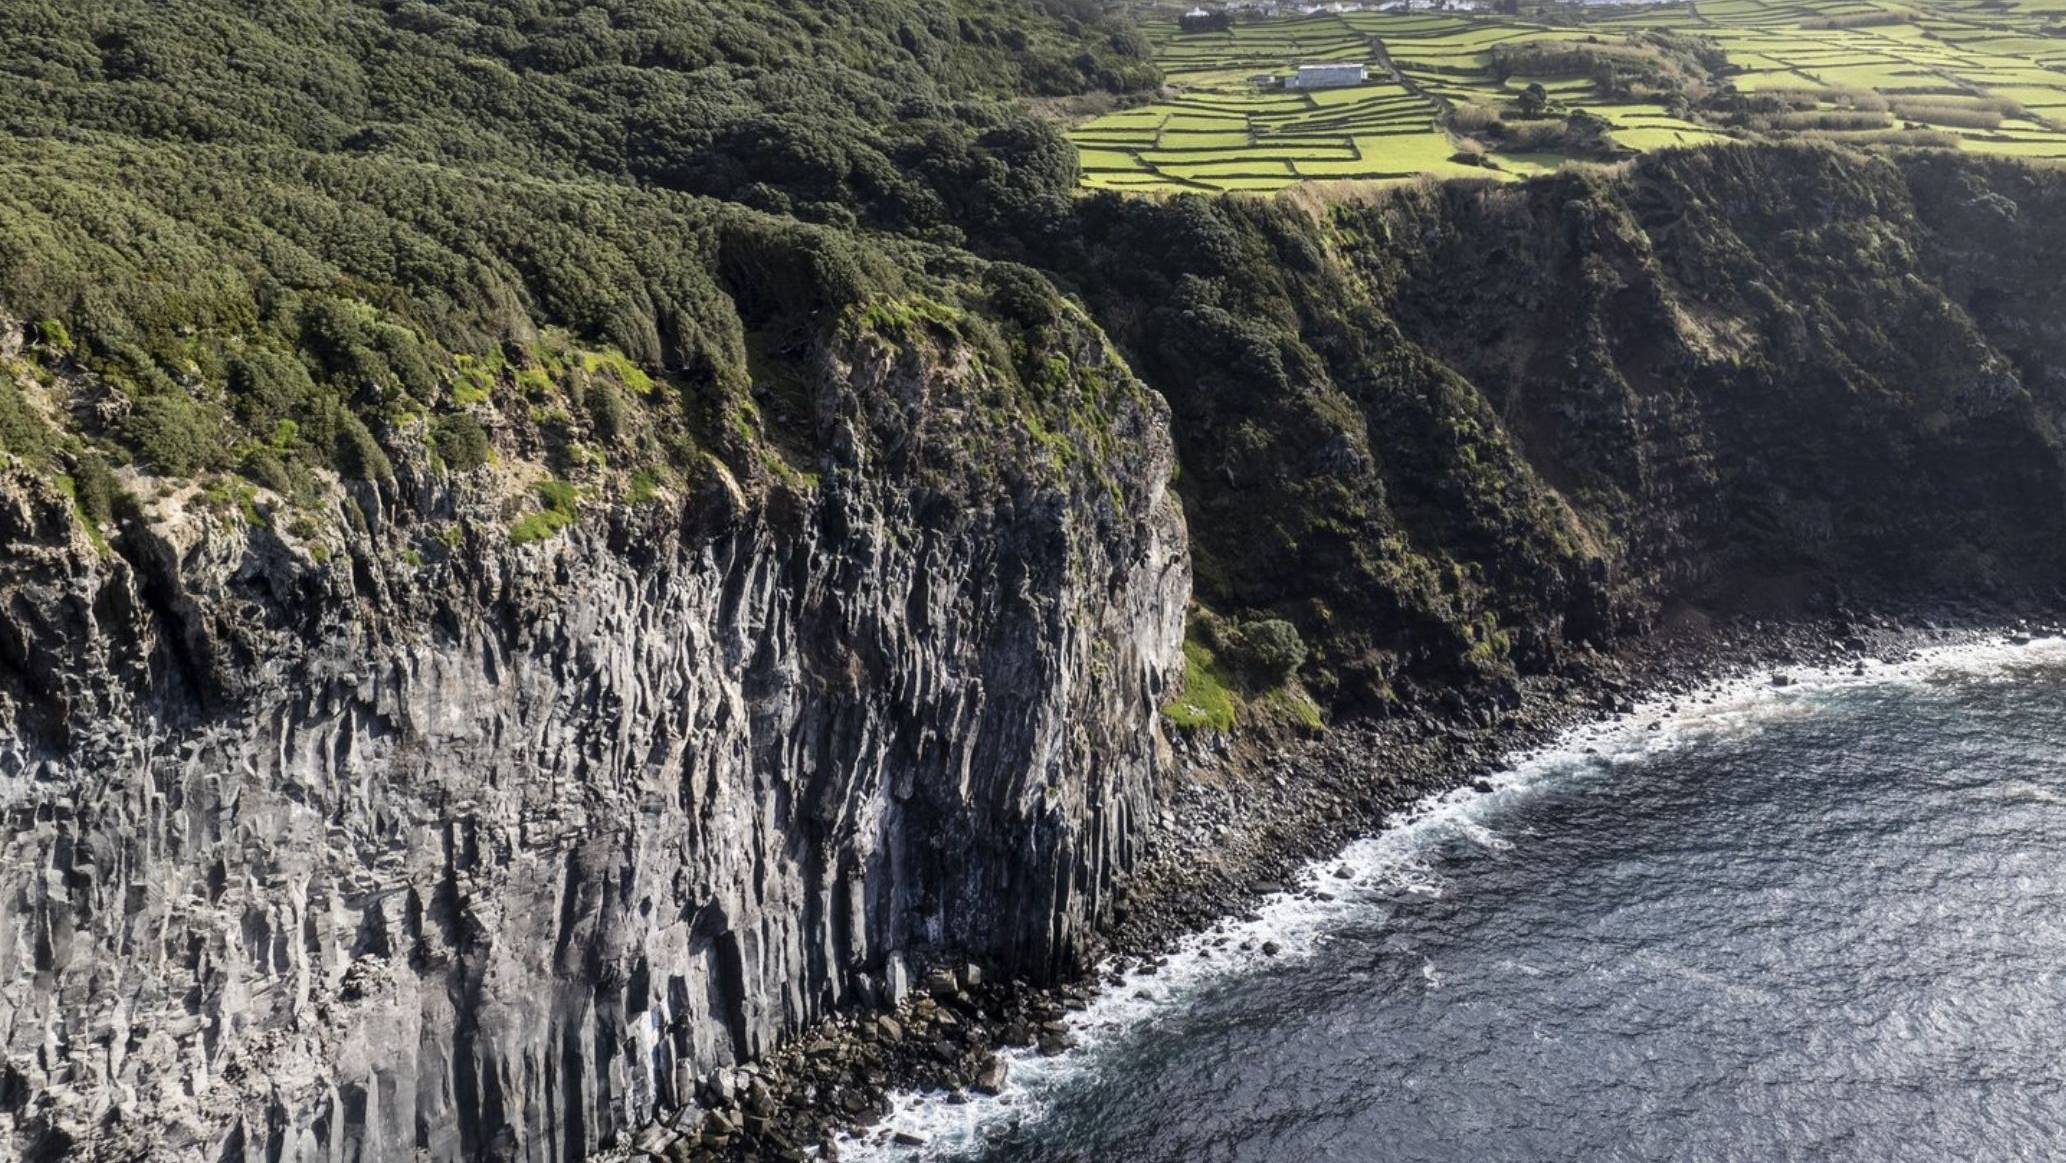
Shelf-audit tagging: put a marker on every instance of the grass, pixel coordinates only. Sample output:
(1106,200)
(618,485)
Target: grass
(616,365)
(559,505)
(1213,700)
(1834,63)
(1208,701)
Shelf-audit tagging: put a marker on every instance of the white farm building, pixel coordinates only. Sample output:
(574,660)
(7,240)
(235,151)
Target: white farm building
(1328,76)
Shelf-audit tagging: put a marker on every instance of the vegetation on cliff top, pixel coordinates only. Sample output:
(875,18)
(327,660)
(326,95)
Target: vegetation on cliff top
(1444,434)
(325,237)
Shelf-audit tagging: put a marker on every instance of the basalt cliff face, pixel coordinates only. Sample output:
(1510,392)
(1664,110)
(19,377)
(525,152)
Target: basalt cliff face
(493,855)
(394,835)
(1455,432)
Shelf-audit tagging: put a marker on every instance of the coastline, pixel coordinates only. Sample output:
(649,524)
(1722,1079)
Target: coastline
(1249,821)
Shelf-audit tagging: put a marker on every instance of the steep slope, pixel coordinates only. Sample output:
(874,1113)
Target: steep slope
(1452,431)
(491,854)
(545,547)
(519,587)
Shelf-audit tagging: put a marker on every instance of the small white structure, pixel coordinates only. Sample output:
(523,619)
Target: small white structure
(1338,76)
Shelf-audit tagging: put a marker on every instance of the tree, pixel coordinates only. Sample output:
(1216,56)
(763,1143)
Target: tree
(1533,100)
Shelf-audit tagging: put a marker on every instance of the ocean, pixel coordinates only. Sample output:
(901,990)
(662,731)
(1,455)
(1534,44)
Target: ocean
(1819,922)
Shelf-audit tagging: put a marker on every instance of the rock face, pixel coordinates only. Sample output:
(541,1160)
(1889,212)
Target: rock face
(491,857)
(385,837)
(1463,430)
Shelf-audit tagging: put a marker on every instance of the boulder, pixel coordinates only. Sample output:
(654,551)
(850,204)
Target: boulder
(991,1078)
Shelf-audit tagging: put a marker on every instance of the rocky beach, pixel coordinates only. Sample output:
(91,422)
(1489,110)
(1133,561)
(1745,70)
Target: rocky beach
(1248,818)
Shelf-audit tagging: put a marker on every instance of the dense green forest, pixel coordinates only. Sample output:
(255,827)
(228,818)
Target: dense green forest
(262,247)
(282,236)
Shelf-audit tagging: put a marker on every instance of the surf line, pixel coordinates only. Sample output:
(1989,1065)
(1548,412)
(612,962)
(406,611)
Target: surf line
(1399,860)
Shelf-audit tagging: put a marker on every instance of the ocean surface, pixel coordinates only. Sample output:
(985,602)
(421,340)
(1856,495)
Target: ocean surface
(1823,922)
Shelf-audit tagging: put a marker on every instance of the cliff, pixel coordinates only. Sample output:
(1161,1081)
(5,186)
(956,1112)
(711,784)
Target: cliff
(359,854)
(476,790)
(1457,433)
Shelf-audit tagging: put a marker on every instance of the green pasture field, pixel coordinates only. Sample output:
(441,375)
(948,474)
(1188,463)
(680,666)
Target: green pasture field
(1991,74)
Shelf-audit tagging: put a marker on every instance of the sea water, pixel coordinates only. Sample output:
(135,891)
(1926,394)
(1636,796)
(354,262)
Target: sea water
(1824,921)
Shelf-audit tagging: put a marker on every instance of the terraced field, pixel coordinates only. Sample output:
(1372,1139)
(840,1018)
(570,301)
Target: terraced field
(1990,79)
(1223,133)
(1987,75)
(1452,59)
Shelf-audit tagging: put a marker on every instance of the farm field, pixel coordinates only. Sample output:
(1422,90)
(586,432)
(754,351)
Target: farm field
(1445,96)
(1220,132)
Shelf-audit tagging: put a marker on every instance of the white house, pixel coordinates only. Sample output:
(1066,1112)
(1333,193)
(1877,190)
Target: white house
(1334,76)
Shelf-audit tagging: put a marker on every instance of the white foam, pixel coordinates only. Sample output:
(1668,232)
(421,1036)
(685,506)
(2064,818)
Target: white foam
(1398,860)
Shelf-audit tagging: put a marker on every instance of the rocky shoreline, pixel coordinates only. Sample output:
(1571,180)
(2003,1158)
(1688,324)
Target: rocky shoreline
(1247,814)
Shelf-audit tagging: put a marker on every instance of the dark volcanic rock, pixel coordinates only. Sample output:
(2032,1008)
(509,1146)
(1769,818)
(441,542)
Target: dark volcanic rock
(313,852)
(329,857)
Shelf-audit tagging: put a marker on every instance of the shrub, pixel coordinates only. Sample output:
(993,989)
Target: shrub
(406,357)
(1828,119)
(175,435)
(1473,118)
(606,409)
(1021,294)
(1269,651)
(558,496)
(94,487)
(1859,20)
(460,441)
(267,389)
(1961,116)
(53,335)
(22,431)
(264,466)
(359,456)
(335,332)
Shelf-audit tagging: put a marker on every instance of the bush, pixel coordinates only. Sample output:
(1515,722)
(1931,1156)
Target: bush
(359,456)
(1826,119)
(1946,113)
(54,336)
(1268,651)
(410,362)
(460,441)
(1022,294)
(265,467)
(94,487)
(175,435)
(22,431)
(1473,118)
(606,410)
(267,388)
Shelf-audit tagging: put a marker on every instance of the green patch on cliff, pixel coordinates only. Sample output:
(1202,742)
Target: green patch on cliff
(1242,672)
(559,505)
(614,365)
(22,431)
(1207,702)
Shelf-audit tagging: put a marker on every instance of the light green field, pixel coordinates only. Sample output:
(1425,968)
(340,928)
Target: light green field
(1984,75)
(1648,138)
